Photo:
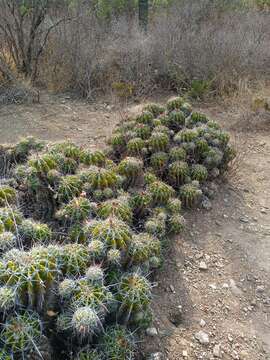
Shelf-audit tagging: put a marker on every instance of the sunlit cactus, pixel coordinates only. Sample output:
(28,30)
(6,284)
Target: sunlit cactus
(176,223)
(33,275)
(32,232)
(70,186)
(158,122)
(97,157)
(223,138)
(160,192)
(155,226)
(158,162)
(43,163)
(175,103)
(7,299)
(199,172)
(155,109)
(77,210)
(67,149)
(86,322)
(22,334)
(113,232)
(197,118)
(186,108)
(178,173)
(53,177)
(67,289)
(100,178)
(158,142)
(149,177)
(177,153)
(118,143)
(135,147)
(190,195)
(140,203)
(142,131)
(114,257)
(7,240)
(131,168)
(90,291)
(185,136)
(145,118)
(117,344)
(7,195)
(75,259)
(23,148)
(97,249)
(162,129)
(95,275)
(116,207)
(10,218)
(176,120)
(174,206)
(76,233)
(133,293)
(142,247)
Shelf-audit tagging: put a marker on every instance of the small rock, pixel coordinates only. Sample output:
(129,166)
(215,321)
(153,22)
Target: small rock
(235,290)
(172,288)
(203,265)
(225,286)
(185,354)
(156,356)
(244,219)
(235,355)
(260,289)
(202,337)
(216,351)
(230,338)
(202,323)
(177,317)
(243,355)
(151,331)
(263,211)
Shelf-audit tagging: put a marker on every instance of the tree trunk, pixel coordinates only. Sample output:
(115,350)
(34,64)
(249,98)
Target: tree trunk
(143,14)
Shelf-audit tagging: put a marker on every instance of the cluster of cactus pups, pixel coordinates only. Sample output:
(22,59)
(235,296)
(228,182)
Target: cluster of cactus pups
(75,281)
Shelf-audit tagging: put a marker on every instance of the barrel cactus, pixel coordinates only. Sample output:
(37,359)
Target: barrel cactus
(177,153)
(176,223)
(199,173)
(86,323)
(70,186)
(7,241)
(97,157)
(10,218)
(7,299)
(145,118)
(158,162)
(140,203)
(160,192)
(75,259)
(178,173)
(77,210)
(185,136)
(190,194)
(22,334)
(142,131)
(112,231)
(116,207)
(142,247)
(155,109)
(7,195)
(135,147)
(158,142)
(176,120)
(131,168)
(175,103)
(32,232)
(174,206)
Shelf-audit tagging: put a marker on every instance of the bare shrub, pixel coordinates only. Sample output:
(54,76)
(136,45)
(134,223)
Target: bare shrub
(192,44)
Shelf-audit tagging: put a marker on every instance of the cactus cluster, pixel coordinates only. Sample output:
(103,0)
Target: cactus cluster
(77,255)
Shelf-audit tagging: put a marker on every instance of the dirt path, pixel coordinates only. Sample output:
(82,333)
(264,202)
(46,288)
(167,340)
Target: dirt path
(229,300)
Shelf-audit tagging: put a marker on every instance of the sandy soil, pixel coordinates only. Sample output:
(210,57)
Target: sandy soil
(230,300)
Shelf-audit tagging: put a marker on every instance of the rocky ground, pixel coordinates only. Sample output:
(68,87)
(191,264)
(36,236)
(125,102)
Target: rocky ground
(212,296)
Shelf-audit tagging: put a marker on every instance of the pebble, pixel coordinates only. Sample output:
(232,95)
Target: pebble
(244,219)
(172,288)
(235,290)
(202,323)
(203,265)
(206,204)
(152,331)
(243,355)
(202,337)
(185,354)
(260,289)
(216,351)
(156,356)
